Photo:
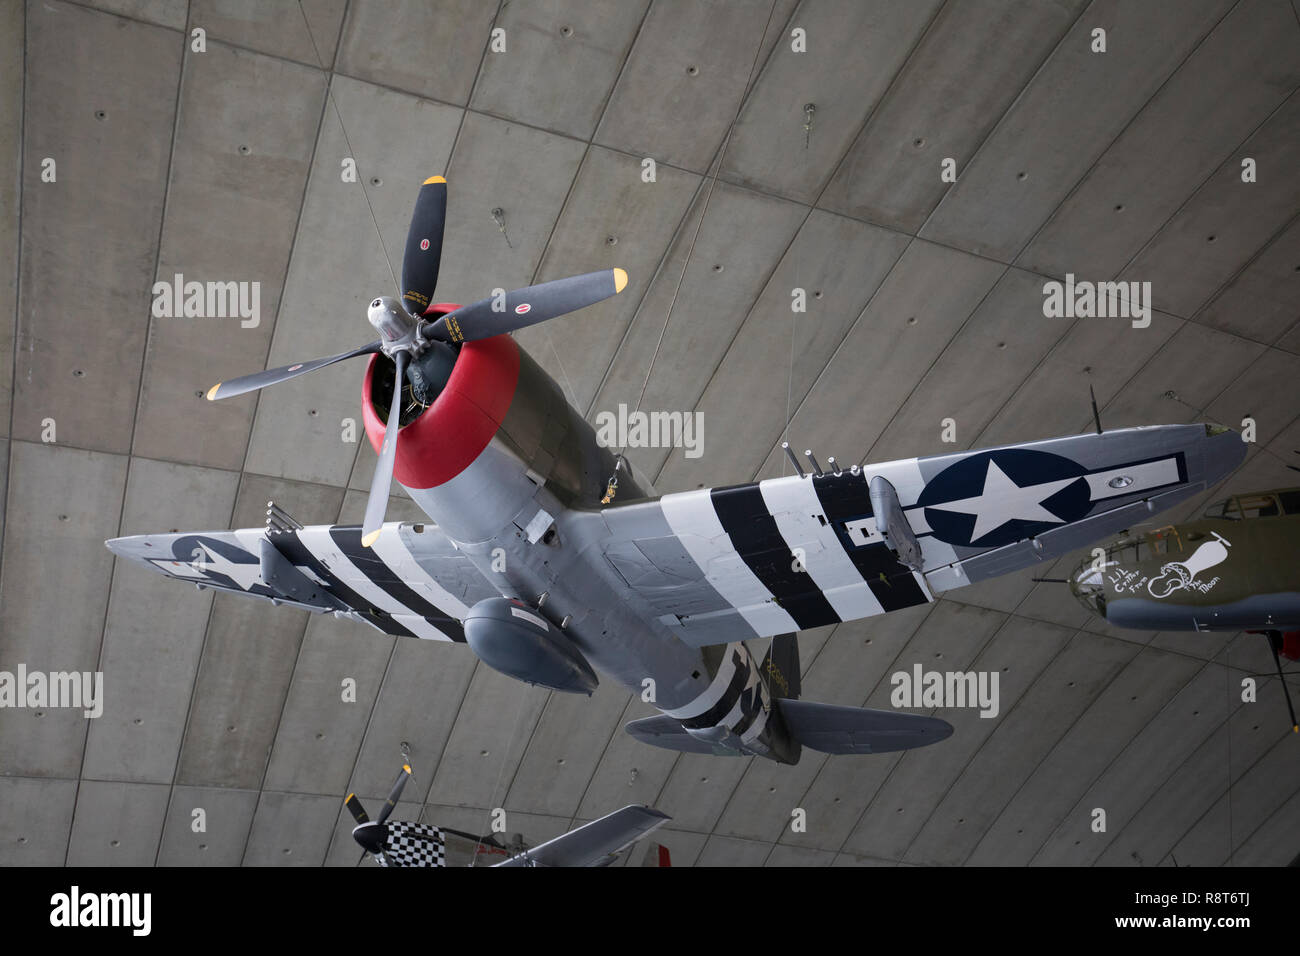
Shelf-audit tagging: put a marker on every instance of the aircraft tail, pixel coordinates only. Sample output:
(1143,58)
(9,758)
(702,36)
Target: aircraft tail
(828,728)
(656,854)
(781,666)
(833,729)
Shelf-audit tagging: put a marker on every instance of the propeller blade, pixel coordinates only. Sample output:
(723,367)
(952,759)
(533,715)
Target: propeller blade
(273,376)
(356,809)
(396,793)
(383,480)
(424,245)
(525,307)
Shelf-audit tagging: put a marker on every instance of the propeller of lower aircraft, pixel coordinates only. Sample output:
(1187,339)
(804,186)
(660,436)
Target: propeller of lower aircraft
(404,334)
(373,835)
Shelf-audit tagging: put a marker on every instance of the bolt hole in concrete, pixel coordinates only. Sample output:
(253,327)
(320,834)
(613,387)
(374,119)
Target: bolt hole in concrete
(78,373)
(692,70)
(1022,176)
(1119,207)
(566,31)
(100,115)
(911,320)
(376,181)
(611,240)
(717,267)
(918,142)
(817,294)
(243,149)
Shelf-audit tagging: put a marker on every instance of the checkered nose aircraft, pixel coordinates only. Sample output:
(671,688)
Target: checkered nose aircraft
(528,559)
(405,844)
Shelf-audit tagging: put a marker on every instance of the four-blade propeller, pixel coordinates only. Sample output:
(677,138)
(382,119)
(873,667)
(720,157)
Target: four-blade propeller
(404,335)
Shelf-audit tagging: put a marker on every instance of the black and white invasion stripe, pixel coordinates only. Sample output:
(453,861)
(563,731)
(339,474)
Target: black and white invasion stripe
(793,553)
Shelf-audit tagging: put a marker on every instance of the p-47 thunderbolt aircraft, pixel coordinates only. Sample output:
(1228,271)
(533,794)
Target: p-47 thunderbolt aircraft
(530,561)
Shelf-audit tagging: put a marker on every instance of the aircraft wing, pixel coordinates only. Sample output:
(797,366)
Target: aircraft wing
(594,843)
(412,583)
(786,554)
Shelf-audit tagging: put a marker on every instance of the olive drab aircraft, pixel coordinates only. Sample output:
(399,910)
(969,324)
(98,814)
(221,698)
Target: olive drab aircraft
(415,844)
(1237,568)
(545,555)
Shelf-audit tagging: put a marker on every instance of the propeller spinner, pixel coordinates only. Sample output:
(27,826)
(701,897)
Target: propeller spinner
(404,335)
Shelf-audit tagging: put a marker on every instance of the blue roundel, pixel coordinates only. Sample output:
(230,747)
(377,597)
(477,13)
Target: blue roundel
(993,498)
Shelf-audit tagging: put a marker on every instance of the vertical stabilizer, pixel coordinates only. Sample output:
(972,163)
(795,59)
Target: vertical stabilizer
(781,666)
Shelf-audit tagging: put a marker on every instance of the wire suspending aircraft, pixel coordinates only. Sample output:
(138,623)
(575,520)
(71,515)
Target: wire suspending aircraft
(404,843)
(661,594)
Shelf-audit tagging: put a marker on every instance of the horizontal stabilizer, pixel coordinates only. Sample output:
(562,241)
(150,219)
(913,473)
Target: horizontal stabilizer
(832,729)
(593,844)
(670,735)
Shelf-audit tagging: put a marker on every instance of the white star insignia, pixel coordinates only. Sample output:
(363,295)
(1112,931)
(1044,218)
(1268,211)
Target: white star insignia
(1003,500)
(245,575)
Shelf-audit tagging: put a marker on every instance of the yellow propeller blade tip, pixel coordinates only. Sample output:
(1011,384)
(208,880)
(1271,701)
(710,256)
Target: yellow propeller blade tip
(406,767)
(620,281)
(212,392)
(434,179)
(349,799)
(371,538)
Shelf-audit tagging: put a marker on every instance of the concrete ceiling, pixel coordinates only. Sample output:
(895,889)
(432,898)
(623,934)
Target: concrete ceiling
(925,303)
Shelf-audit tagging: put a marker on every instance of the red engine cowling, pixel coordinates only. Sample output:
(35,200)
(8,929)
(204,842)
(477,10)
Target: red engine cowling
(460,423)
